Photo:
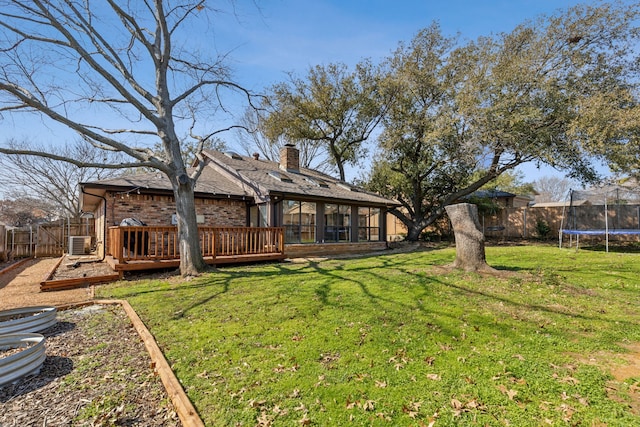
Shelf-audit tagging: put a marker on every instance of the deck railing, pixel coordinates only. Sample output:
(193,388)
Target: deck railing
(161,243)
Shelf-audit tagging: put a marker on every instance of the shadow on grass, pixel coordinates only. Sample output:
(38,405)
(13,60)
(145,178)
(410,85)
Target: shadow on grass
(362,274)
(630,248)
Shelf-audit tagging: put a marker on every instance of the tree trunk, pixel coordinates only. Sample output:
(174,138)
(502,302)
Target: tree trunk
(191,260)
(470,255)
(413,232)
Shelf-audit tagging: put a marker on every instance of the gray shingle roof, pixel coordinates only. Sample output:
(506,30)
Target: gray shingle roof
(266,177)
(243,176)
(209,182)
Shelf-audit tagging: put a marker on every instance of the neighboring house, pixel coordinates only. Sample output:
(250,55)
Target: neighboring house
(319,214)
(396,230)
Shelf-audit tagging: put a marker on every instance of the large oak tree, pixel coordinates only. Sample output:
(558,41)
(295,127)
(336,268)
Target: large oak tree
(555,90)
(332,106)
(124,75)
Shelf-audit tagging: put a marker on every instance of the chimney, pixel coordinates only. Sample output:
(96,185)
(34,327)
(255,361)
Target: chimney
(289,158)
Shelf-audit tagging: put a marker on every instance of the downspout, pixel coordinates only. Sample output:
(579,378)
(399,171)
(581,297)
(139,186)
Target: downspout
(104,223)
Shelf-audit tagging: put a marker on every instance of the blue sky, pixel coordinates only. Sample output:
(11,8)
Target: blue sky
(292,35)
(280,36)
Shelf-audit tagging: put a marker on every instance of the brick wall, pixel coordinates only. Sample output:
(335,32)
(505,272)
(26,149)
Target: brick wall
(289,158)
(158,209)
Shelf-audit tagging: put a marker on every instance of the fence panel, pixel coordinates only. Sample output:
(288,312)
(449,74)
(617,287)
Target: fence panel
(42,240)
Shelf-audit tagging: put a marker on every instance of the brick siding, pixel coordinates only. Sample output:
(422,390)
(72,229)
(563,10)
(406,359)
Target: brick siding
(158,209)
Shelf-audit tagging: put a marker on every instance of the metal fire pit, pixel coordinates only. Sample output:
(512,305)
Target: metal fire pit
(27,319)
(26,355)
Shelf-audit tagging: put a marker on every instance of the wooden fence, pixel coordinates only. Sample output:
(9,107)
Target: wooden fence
(42,240)
(522,223)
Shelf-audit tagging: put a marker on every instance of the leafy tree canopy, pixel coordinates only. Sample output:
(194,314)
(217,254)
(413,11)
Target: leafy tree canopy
(511,181)
(464,114)
(333,106)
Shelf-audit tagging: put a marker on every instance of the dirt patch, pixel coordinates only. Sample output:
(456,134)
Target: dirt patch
(622,366)
(630,369)
(97,372)
(625,369)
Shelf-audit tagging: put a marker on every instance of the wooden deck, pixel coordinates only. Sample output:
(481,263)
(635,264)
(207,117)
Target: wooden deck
(150,248)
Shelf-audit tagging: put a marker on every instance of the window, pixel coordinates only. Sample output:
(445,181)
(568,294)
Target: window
(316,181)
(337,223)
(368,224)
(299,221)
(258,216)
(283,177)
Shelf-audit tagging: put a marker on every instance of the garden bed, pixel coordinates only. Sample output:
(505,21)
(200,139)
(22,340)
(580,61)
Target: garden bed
(97,372)
(74,272)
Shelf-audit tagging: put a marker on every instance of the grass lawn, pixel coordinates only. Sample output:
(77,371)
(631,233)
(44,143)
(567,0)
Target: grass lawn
(399,340)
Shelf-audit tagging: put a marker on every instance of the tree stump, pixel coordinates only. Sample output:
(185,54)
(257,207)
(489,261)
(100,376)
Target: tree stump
(470,255)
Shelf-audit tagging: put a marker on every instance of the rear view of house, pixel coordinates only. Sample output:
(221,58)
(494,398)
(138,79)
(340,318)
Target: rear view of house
(311,212)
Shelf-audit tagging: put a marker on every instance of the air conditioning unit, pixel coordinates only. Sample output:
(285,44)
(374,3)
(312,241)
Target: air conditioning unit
(79,245)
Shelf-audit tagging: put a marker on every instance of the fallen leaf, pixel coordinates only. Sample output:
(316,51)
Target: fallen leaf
(409,412)
(256,403)
(509,392)
(456,404)
(369,405)
(264,420)
(305,421)
(472,404)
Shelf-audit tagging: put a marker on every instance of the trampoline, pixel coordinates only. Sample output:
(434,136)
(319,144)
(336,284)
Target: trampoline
(612,210)
(600,232)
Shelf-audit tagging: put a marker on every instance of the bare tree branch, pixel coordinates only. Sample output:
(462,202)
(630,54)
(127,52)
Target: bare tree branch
(78,163)
(92,66)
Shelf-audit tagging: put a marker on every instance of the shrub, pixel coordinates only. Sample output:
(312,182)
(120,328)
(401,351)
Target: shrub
(542,228)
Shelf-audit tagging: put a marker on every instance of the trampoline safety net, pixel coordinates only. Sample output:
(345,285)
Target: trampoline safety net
(611,210)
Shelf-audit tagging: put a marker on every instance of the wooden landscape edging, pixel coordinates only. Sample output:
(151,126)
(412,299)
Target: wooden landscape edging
(78,282)
(15,265)
(49,274)
(184,408)
(57,285)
